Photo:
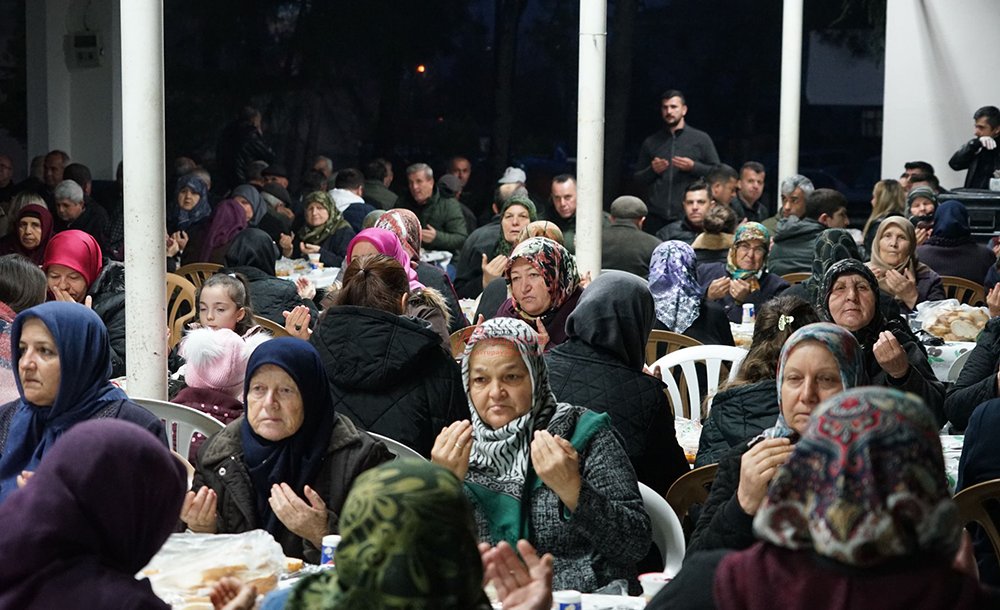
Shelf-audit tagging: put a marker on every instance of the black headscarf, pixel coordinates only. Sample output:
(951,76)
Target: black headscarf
(831,246)
(252,248)
(296,459)
(615,313)
(867,335)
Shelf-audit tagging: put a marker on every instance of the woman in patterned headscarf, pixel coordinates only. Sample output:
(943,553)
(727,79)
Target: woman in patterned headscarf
(679,300)
(406,226)
(743,278)
(544,286)
(549,472)
(817,362)
(859,517)
(325,230)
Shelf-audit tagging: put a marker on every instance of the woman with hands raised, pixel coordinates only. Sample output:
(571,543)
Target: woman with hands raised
(551,473)
(286,465)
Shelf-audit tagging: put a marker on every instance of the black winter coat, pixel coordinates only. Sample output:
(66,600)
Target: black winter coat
(108,301)
(390,375)
(269,295)
(722,523)
(977,382)
(737,414)
(222,468)
(583,375)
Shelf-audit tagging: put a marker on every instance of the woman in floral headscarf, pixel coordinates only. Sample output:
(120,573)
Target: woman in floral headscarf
(859,517)
(544,286)
(325,230)
(817,362)
(743,278)
(406,226)
(679,300)
(549,472)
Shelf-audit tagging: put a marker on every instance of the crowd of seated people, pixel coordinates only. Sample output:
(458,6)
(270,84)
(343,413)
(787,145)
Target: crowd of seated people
(541,431)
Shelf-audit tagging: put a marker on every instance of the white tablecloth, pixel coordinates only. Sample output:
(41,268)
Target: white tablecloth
(942,357)
(952,447)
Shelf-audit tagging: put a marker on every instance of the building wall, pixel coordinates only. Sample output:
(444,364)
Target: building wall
(941,64)
(74,109)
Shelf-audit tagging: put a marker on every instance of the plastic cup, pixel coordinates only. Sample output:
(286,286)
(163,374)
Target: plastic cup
(330,544)
(314,260)
(567,600)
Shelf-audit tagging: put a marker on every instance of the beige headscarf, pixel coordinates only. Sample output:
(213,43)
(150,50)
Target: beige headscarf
(910,262)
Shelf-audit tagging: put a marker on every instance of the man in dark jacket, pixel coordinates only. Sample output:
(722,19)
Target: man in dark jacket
(671,159)
(696,203)
(378,177)
(749,202)
(980,155)
(72,212)
(241,143)
(623,244)
(443,226)
(795,239)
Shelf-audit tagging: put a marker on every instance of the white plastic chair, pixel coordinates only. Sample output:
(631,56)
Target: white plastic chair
(397,448)
(712,357)
(668,535)
(187,422)
(956,366)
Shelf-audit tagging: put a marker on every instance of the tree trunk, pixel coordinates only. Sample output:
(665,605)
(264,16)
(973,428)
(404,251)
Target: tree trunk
(508,17)
(619,84)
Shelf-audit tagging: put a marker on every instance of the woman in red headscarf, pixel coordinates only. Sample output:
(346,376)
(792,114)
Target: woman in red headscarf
(75,271)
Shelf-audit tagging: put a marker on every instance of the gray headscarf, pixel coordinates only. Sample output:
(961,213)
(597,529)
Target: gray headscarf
(251,194)
(615,313)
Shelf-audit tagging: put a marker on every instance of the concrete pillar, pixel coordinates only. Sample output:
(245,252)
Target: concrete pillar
(145,214)
(791,90)
(590,134)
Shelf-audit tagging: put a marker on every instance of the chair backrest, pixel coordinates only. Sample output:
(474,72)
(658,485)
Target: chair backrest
(458,340)
(668,536)
(181,422)
(271,326)
(691,488)
(177,330)
(673,342)
(796,278)
(712,357)
(972,503)
(197,273)
(397,448)
(180,302)
(965,291)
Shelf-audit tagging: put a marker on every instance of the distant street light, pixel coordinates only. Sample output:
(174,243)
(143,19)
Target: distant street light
(421,68)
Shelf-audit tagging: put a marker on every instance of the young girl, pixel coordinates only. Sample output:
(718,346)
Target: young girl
(224,302)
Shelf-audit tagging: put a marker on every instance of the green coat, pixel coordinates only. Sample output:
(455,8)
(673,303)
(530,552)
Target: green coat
(445,215)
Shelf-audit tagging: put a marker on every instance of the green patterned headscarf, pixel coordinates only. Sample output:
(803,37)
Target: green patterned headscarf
(408,542)
(744,233)
(335,222)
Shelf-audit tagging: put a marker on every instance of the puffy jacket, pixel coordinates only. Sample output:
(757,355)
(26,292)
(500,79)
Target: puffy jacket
(222,468)
(977,382)
(737,414)
(794,245)
(585,376)
(390,375)
(445,215)
(108,301)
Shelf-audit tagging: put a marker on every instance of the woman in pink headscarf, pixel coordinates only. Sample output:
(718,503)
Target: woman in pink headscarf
(406,226)
(425,303)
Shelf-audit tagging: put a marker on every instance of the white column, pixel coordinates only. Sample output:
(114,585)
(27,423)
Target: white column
(791,90)
(590,135)
(145,215)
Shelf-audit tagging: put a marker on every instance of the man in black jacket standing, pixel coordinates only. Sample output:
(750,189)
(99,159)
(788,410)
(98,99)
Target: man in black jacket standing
(670,160)
(980,155)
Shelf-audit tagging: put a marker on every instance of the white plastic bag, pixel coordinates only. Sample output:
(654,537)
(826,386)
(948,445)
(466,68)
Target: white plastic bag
(185,568)
(951,320)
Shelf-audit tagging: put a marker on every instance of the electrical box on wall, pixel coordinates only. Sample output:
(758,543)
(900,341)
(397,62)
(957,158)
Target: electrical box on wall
(84,50)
